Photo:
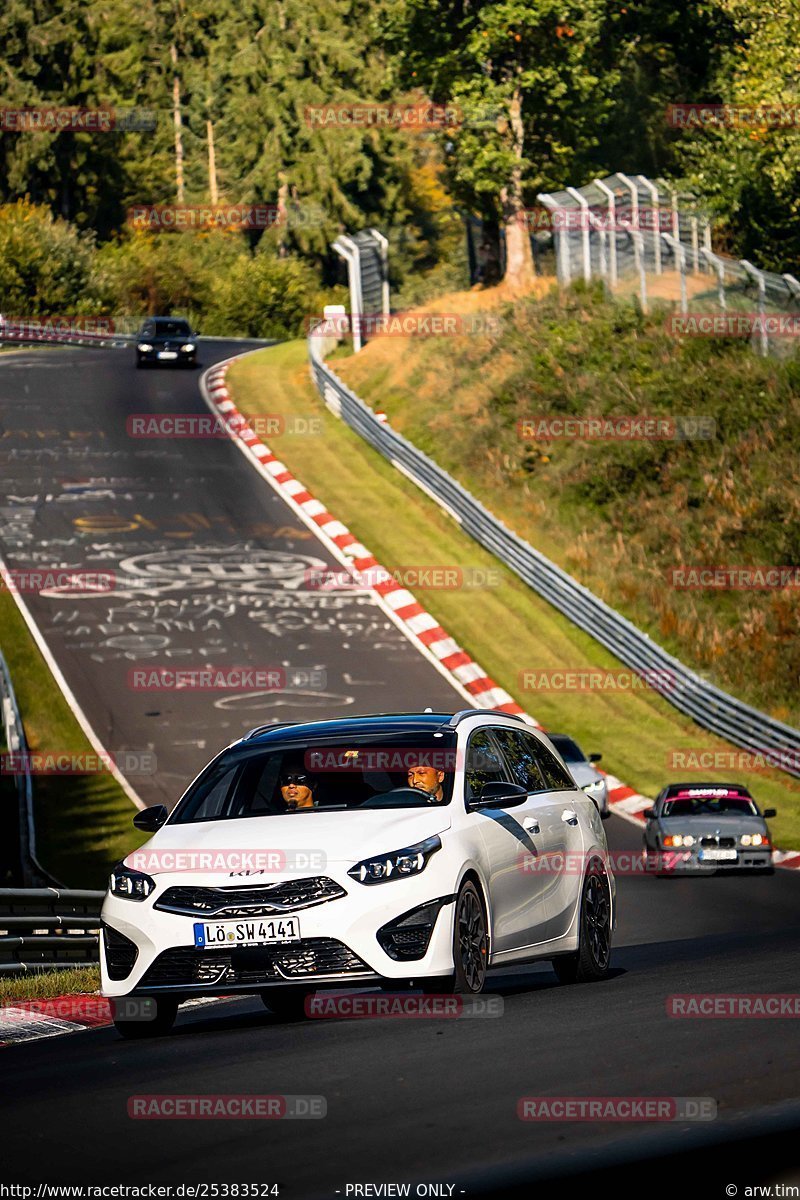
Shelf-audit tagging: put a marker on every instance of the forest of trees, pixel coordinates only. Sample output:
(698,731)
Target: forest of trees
(550,93)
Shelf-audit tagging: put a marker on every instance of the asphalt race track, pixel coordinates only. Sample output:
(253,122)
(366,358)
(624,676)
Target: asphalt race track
(211,568)
(435,1099)
(430,1100)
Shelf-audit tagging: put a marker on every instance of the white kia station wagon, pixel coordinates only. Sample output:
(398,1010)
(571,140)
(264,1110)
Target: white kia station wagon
(415,849)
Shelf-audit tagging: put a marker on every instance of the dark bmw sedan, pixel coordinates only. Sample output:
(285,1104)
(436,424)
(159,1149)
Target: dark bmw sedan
(708,827)
(169,340)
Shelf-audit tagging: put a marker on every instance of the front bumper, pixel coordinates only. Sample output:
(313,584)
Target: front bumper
(181,356)
(149,950)
(691,861)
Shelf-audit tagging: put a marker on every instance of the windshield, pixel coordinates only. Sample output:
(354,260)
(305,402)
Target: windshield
(696,806)
(570,751)
(412,771)
(166,328)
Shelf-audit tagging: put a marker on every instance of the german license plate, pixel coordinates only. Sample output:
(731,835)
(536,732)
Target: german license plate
(258,932)
(167,354)
(717,855)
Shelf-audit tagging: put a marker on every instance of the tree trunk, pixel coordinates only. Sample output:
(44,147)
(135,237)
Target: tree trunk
(212,165)
(282,214)
(519,261)
(177,124)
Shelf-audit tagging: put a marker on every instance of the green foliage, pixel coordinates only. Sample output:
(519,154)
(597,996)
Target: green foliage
(268,297)
(45,264)
(162,273)
(750,172)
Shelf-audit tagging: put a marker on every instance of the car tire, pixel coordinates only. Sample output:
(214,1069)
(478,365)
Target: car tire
(166,1012)
(591,960)
(470,948)
(288,1003)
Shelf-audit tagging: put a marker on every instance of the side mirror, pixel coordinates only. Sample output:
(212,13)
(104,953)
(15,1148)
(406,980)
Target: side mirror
(499,795)
(649,814)
(196,333)
(770,812)
(595,758)
(151,819)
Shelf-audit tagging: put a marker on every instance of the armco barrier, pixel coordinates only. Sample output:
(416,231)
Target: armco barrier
(709,706)
(45,929)
(30,869)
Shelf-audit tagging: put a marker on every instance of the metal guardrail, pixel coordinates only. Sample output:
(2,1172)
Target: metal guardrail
(14,733)
(18,337)
(48,929)
(706,704)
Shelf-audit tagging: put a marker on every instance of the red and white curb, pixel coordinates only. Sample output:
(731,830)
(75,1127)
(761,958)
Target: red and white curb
(419,625)
(32,1020)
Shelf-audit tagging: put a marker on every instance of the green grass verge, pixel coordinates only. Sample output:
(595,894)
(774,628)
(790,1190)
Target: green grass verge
(41,985)
(83,822)
(621,515)
(507,628)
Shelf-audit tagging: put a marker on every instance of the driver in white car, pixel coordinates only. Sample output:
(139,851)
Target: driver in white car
(297,790)
(427,779)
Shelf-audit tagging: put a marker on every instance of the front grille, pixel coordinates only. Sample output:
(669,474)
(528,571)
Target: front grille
(243,965)
(121,953)
(253,901)
(726,843)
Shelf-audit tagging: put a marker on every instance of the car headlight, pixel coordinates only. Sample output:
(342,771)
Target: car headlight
(144,346)
(188,348)
(397,864)
(754,839)
(679,839)
(596,786)
(132,885)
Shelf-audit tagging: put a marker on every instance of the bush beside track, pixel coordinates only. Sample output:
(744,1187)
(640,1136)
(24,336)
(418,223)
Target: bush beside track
(506,628)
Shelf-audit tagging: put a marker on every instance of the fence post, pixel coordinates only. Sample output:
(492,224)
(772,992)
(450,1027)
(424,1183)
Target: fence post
(383,244)
(653,190)
(612,229)
(638,257)
(716,263)
(585,233)
(563,269)
(754,273)
(679,252)
(347,249)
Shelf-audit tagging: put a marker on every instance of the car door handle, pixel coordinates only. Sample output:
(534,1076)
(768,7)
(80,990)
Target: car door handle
(569,816)
(530,825)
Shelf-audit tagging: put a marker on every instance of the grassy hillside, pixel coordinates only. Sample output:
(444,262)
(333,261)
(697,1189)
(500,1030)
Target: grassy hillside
(620,515)
(505,626)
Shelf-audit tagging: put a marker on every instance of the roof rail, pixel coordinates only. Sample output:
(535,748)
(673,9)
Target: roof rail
(463,713)
(263,729)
